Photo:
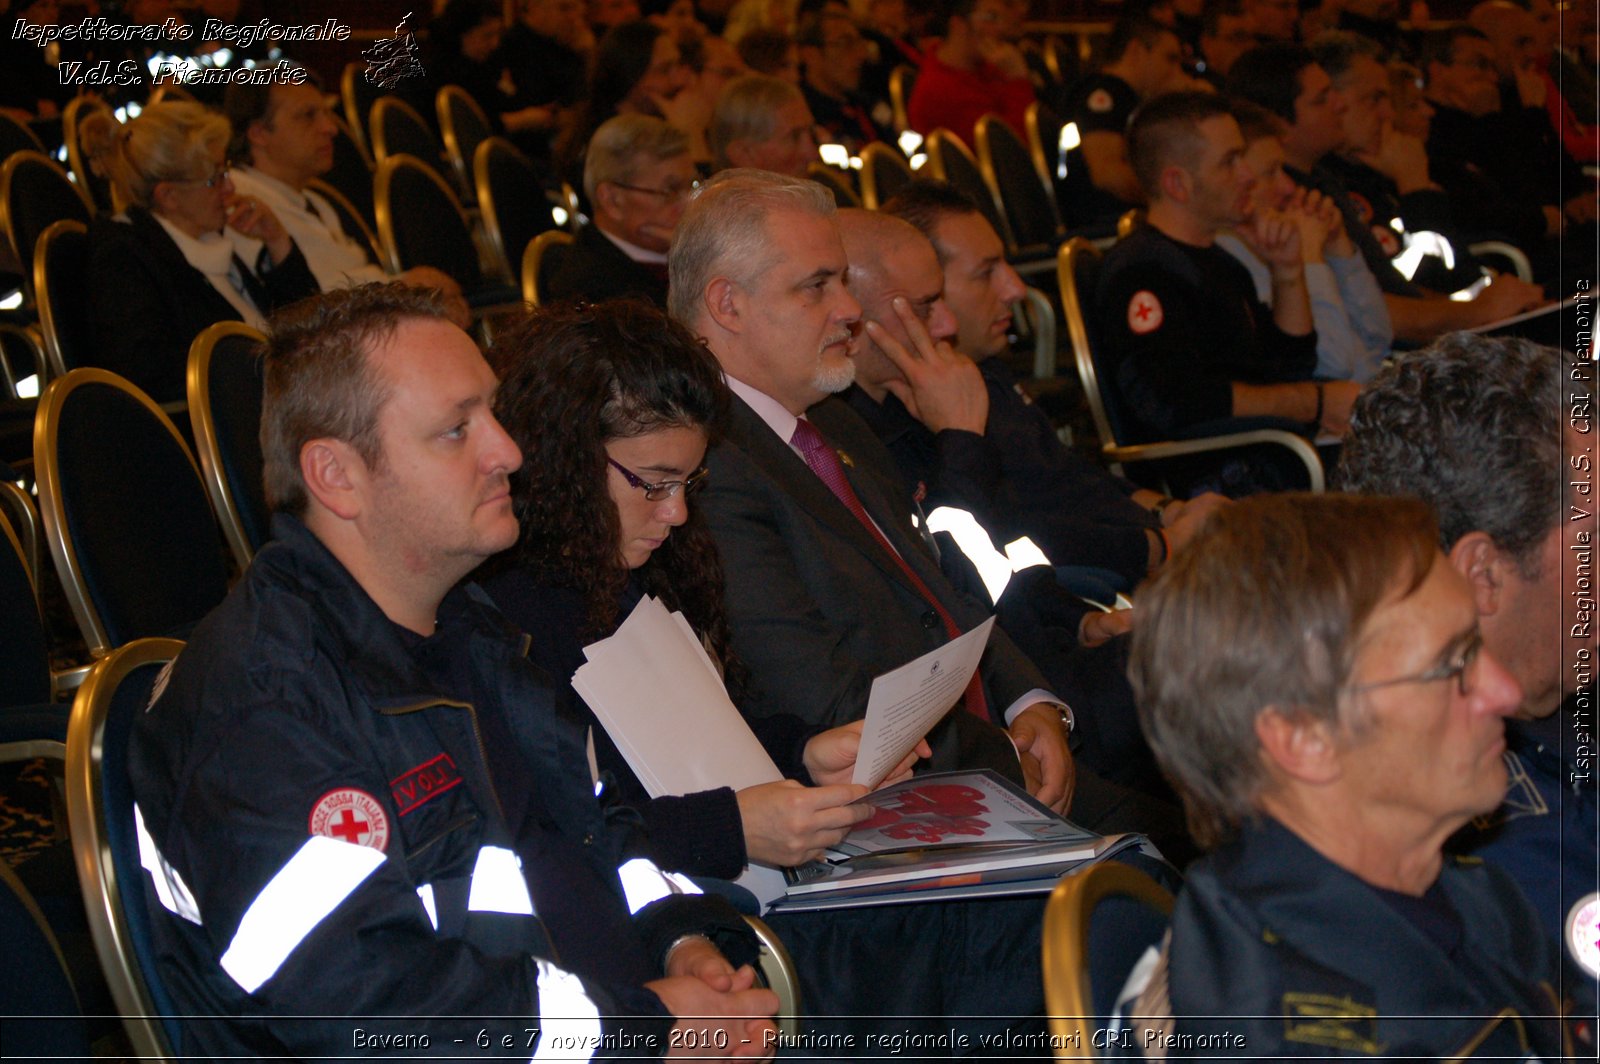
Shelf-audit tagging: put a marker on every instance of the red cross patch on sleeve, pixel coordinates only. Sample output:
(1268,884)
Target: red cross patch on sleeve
(1144,312)
(352,816)
(1099,101)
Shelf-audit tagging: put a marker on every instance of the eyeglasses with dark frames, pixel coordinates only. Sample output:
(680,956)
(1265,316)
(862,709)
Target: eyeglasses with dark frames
(1456,668)
(664,490)
(213,181)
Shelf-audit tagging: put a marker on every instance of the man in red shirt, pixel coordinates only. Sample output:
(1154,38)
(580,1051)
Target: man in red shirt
(971,72)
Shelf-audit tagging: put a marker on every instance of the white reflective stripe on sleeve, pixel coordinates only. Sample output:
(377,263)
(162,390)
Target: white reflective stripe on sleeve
(170,888)
(497,884)
(569,1020)
(993,567)
(1024,553)
(315,881)
(425,892)
(644,883)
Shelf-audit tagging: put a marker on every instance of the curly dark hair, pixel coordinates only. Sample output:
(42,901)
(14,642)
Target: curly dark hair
(1472,426)
(573,376)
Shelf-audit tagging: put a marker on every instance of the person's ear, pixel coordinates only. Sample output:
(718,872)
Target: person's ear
(1176,184)
(1476,557)
(335,475)
(725,303)
(1300,746)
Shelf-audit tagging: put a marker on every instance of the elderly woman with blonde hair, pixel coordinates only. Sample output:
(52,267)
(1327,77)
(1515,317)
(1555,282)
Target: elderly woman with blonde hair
(183,250)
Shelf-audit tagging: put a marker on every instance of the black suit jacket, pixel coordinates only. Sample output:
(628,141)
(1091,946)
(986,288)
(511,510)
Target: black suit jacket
(147,304)
(594,269)
(817,609)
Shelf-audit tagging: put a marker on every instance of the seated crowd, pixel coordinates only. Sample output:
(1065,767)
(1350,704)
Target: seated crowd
(1353,726)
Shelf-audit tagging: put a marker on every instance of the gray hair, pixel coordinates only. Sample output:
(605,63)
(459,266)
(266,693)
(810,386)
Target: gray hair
(747,109)
(622,144)
(1264,609)
(724,232)
(1469,426)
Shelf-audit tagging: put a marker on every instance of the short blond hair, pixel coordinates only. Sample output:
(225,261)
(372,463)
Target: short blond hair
(168,142)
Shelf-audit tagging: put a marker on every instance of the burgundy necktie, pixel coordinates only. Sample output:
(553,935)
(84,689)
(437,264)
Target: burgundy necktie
(824,462)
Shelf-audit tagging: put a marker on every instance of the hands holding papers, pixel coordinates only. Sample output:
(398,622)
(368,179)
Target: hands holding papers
(662,701)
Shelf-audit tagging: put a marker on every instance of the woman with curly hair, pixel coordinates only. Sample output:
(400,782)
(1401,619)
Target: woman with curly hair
(614,406)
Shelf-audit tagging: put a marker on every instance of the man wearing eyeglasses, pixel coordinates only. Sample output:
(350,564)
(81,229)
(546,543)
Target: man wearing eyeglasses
(638,175)
(834,52)
(1470,426)
(1369,728)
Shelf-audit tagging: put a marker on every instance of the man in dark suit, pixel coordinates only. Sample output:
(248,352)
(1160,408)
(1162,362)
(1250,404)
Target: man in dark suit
(822,599)
(637,175)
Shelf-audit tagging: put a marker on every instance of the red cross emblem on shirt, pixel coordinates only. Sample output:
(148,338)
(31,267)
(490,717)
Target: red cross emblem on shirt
(1144,312)
(352,816)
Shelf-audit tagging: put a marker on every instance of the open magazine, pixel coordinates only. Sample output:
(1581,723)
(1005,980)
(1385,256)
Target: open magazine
(661,699)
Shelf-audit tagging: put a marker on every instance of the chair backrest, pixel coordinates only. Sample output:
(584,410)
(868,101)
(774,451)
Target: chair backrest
(60,283)
(511,201)
(224,387)
(778,972)
(1044,142)
(44,1019)
(125,512)
(397,129)
(1061,58)
(1097,924)
(356,97)
(97,188)
(835,181)
(351,220)
(949,159)
(106,844)
(35,191)
(15,136)
(1077,269)
(1129,220)
(884,171)
(351,174)
(464,126)
(1028,203)
(24,641)
(533,260)
(21,356)
(901,81)
(421,223)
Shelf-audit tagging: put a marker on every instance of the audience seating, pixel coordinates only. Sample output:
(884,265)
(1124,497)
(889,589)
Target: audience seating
(397,129)
(95,187)
(60,284)
(1028,204)
(21,355)
(351,174)
(224,389)
(24,641)
(1097,924)
(777,971)
(44,1017)
(901,81)
(421,223)
(125,512)
(105,840)
(1077,266)
(356,97)
(512,203)
(836,181)
(16,136)
(1044,143)
(351,219)
(545,245)
(464,126)
(35,191)
(949,159)
(884,171)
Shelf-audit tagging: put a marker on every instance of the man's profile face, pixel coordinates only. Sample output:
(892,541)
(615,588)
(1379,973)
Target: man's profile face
(798,314)
(1232,40)
(297,138)
(835,66)
(1220,183)
(1365,91)
(1318,114)
(1160,66)
(1263,157)
(792,146)
(909,270)
(440,502)
(979,285)
(1468,82)
(1420,757)
(644,210)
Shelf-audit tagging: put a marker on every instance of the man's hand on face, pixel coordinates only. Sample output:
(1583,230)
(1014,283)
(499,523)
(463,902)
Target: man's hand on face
(942,388)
